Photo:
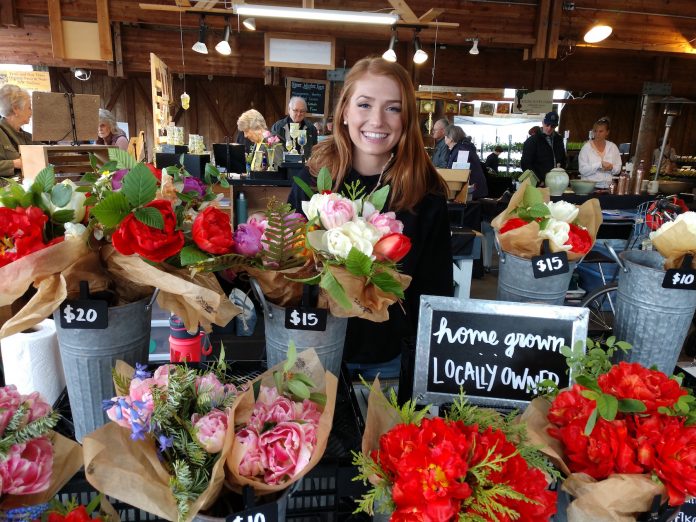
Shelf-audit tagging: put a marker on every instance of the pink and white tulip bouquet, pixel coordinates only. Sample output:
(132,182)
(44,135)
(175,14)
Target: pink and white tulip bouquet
(176,417)
(282,424)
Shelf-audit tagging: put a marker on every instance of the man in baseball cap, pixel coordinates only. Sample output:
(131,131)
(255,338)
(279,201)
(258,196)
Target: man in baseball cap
(544,150)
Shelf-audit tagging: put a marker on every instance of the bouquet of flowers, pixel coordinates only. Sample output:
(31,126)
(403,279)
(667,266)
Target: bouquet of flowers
(98,510)
(474,464)
(348,247)
(282,424)
(531,218)
(34,461)
(676,239)
(623,434)
(167,460)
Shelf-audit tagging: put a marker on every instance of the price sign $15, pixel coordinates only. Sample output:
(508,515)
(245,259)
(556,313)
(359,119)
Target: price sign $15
(305,318)
(550,265)
(84,314)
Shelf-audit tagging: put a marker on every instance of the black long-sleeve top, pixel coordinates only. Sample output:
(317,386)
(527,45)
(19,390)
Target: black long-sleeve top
(429,263)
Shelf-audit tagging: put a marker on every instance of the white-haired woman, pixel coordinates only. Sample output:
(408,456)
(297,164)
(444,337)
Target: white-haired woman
(109,132)
(253,125)
(15,109)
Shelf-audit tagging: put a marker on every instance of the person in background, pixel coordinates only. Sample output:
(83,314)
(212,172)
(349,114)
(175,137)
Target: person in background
(441,151)
(456,141)
(599,158)
(670,155)
(297,108)
(377,141)
(492,161)
(109,132)
(544,150)
(252,124)
(15,109)
(321,130)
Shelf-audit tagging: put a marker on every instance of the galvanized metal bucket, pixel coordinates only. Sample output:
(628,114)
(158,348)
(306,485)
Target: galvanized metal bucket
(516,282)
(654,320)
(89,355)
(328,344)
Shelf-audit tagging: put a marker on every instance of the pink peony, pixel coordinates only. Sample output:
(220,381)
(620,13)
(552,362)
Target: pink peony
(386,223)
(335,210)
(10,399)
(28,467)
(161,375)
(37,406)
(286,450)
(210,385)
(252,463)
(247,237)
(308,411)
(210,430)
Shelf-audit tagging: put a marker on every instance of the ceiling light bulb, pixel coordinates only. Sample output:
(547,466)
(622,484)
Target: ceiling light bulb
(420,56)
(326,15)
(474,48)
(223,47)
(597,33)
(250,23)
(389,55)
(200,46)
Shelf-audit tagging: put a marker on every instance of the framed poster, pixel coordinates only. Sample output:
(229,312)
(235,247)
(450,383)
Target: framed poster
(487,109)
(466,109)
(314,92)
(299,52)
(502,108)
(451,108)
(427,106)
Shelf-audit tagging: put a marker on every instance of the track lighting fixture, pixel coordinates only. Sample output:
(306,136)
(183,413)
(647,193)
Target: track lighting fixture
(597,33)
(223,47)
(420,56)
(200,46)
(250,23)
(474,48)
(390,54)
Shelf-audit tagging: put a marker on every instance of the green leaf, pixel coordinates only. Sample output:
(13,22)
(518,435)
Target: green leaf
(89,178)
(303,378)
(212,171)
(278,379)
(299,389)
(358,263)
(305,188)
(334,288)
(607,406)
(84,189)
(191,254)
(379,197)
(387,283)
(532,196)
(224,183)
(539,210)
(588,382)
(9,202)
(122,158)
(150,216)
(61,194)
(109,166)
(93,161)
(63,216)
(94,504)
(631,406)
(44,180)
(292,356)
(111,210)
(257,389)
(591,421)
(590,395)
(324,181)
(139,185)
(318,398)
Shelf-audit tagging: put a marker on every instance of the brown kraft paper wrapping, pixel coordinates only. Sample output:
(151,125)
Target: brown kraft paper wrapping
(674,244)
(309,364)
(525,241)
(381,418)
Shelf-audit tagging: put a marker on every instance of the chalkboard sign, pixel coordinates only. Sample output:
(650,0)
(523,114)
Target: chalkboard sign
(314,92)
(495,351)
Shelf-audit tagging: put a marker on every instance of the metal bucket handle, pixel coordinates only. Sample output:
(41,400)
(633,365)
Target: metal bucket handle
(256,288)
(616,257)
(501,254)
(151,303)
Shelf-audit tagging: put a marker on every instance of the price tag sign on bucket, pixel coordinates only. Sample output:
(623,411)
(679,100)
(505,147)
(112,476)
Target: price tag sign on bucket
(683,278)
(305,318)
(549,263)
(265,513)
(84,314)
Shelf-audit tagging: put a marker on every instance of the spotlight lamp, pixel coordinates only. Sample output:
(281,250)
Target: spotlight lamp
(390,54)
(82,74)
(200,46)
(223,47)
(250,23)
(474,48)
(597,33)
(420,56)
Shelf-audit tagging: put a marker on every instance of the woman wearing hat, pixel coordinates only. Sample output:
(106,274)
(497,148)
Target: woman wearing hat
(544,150)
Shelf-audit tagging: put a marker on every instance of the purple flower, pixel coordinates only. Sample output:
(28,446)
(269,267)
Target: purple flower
(192,184)
(117,178)
(247,238)
(165,442)
(141,371)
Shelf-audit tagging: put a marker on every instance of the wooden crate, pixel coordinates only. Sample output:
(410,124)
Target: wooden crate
(69,162)
(457,182)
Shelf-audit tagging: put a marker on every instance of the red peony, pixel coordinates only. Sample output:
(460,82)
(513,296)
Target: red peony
(135,237)
(512,224)
(21,232)
(570,406)
(579,239)
(633,381)
(675,461)
(392,247)
(212,231)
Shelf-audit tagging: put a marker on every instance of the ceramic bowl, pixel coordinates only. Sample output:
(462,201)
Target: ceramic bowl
(582,187)
(674,187)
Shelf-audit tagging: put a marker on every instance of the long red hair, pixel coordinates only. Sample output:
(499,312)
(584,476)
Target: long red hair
(411,175)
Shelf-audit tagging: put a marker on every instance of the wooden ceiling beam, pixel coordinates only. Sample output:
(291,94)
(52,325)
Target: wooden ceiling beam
(8,13)
(542,30)
(555,30)
(106,51)
(431,14)
(404,11)
(55,21)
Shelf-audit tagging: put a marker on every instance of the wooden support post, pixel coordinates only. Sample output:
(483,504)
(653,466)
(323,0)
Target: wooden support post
(55,23)
(104,25)
(647,132)
(68,88)
(115,67)
(8,13)
(555,30)
(141,90)
(53,73)
(542,28)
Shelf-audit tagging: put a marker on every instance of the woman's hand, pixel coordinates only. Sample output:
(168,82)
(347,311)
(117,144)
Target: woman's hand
(17,163)
(607,166)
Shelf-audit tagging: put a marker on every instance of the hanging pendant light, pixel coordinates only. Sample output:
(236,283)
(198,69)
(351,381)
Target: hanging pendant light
(474,48)
(390,54)
(223,47)
(200,46)
(597,33)
(420,56)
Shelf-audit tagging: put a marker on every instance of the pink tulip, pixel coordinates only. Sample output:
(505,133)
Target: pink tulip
(386,223)
(286,450)
(10,399)
(252,463)
(37,406)
(27,468)
(210,430)
(161,375)
(335,210)
(210,385)
(308,411)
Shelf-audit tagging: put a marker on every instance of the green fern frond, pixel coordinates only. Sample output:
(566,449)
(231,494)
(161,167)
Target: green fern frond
(121,382)
(284,237)
(380,494)
(219,263)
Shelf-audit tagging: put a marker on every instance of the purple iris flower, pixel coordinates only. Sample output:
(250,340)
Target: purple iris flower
(141,371)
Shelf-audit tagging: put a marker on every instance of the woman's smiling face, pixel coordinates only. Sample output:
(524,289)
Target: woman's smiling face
(373,115)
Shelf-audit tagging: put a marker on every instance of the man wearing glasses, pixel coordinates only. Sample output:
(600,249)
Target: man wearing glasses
(297,109)
(441,151)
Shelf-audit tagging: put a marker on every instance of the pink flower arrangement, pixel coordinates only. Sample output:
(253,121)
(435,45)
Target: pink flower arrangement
(270,139)
(25,465)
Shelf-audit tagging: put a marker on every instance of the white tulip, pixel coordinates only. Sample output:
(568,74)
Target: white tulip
(557,232)
(563,211)
(311,208)
(74,231)
(337,243)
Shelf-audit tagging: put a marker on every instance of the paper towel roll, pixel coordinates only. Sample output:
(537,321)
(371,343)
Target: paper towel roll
(31,361)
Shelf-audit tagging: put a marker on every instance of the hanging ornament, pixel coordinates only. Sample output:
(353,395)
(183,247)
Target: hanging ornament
(429,124)
(185,101)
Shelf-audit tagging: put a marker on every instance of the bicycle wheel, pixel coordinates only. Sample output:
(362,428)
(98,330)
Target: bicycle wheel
(602,303)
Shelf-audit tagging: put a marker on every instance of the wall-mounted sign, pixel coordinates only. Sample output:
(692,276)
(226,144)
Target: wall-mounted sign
(496,351)
(28,80)
(314,92)
(532,102)
(299,52)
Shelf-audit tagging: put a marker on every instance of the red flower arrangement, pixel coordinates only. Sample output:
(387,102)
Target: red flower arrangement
(438,470)
(212,231)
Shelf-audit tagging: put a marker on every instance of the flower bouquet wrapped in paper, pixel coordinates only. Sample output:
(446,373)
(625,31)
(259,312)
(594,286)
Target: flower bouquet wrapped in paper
(473,464)
(622,435)
(35,462)
(282,424)
(164,451)
(531,217)
(676,239)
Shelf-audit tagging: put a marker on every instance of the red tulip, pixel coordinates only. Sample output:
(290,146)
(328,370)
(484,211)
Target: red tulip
(392,247)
